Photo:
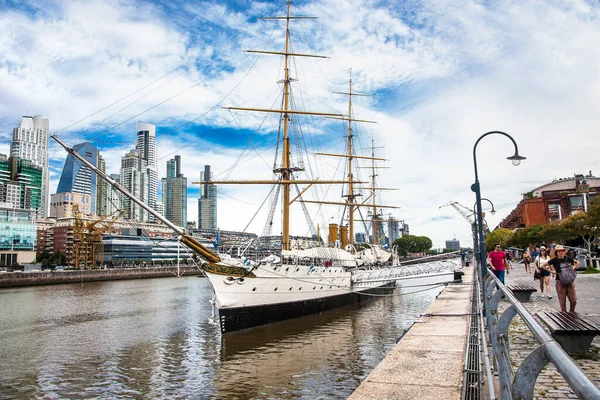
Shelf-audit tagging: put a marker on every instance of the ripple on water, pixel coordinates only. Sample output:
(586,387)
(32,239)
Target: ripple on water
(151,339)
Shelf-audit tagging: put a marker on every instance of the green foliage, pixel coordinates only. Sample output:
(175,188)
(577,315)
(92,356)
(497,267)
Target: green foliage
(555,232)
(48,259)
(500,235)
(522,238)
(590,270)
(412,244)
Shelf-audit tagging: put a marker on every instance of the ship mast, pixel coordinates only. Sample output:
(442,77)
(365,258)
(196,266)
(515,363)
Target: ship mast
(286,170)
(351,196)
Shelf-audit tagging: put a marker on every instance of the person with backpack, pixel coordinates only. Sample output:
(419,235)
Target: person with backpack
(563,268)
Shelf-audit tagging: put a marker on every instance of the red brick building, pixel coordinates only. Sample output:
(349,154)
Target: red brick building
(553,201)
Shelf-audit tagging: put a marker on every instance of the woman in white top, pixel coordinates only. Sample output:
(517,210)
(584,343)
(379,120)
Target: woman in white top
(544,274)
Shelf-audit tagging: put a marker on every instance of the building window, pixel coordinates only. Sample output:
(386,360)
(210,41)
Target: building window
(576,203)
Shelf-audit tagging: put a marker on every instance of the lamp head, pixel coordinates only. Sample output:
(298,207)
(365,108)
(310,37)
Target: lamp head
(493,211)
(516,159)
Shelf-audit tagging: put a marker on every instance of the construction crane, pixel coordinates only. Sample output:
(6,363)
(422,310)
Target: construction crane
(87,237)
(467,214)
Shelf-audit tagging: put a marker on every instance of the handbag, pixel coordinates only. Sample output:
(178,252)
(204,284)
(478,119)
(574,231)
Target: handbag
(536,274)
(567,274)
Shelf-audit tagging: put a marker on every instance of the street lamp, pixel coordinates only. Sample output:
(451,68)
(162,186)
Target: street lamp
(516,160)
(475,235)
(493,210)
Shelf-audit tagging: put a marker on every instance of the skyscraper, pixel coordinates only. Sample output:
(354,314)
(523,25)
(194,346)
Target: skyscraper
(146,145)
(77,178)
(20,183)
(102,188)
(113,196)
(134,177)
(207,203)
(174,193)
(30,142)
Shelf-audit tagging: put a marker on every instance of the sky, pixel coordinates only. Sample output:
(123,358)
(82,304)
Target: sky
(439,74)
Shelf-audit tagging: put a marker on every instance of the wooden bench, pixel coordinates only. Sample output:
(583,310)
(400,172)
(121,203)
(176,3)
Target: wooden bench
(574,334)
(522,292)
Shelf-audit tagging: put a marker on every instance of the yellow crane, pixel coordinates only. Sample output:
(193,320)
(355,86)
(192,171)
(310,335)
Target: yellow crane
(87,238)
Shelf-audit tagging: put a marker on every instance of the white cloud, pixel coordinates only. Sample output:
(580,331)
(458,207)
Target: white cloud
(442,73)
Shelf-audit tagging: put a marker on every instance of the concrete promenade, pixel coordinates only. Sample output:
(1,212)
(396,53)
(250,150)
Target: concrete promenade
(550,383)
(428,362)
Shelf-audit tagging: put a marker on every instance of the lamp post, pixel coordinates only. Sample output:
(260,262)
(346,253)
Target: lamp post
(516,160)
(475,235)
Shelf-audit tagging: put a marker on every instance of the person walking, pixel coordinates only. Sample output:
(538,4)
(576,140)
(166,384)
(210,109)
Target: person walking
(544,273)
(526,260)
(556,266)
(498,263)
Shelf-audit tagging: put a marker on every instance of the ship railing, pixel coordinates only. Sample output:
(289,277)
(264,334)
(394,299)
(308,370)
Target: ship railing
(520,385)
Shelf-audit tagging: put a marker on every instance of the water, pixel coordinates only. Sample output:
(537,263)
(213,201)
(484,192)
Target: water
(151,338)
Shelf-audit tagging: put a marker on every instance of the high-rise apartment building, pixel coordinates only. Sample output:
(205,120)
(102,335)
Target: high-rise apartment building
(30,142)
(134,177)
(146,145)
(174,193)
(20,183)
(207,203)
(101,188)
(78,178)
(113,196)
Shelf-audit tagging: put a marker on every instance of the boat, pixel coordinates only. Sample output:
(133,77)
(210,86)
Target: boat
(296,282)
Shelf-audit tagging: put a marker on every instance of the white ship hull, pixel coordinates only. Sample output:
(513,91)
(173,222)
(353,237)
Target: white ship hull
(276,292)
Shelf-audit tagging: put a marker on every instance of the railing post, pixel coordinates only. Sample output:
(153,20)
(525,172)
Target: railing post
(527,373)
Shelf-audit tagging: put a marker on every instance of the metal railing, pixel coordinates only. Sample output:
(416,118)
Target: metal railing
(522,384)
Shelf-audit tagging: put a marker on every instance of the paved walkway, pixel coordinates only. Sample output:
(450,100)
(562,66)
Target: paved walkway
(550,383)
(428,362)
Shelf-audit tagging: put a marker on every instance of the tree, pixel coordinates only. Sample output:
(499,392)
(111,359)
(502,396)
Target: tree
(586,226)
(422,244)
(555,232)
(522,238)
(412,244)
(500,235)
(404,245)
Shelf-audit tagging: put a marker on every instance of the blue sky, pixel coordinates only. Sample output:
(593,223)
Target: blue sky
(440,74)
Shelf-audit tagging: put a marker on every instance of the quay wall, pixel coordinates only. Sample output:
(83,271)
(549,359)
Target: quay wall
(428,362)
(17,278)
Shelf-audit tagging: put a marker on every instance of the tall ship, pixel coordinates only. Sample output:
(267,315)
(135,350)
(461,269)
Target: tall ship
(294,282)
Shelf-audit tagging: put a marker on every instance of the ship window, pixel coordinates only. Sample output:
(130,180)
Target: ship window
(321,287)
(314,287)
(297,269)
(254,289)
(275,290)
(300,288)
(290,288)
(287,269)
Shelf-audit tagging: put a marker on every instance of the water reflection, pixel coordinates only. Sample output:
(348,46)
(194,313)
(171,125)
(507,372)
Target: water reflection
(151,339)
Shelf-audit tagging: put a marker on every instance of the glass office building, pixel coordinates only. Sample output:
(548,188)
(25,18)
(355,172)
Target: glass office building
(77,178)
(18,235)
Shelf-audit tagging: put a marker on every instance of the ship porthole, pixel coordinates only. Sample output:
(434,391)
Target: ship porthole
(240,280)
(314,288)
(287,269)
(321,287)
(300,288)
(229,280)
(290,288)
(254,289)
(275,290)
(297,269)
